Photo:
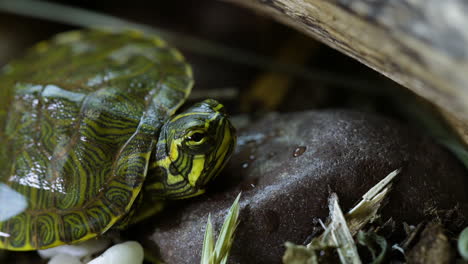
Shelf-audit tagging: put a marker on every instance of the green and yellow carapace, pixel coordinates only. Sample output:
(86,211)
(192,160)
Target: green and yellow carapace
(89,134)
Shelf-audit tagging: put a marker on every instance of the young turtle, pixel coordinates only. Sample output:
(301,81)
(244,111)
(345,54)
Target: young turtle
(88,125)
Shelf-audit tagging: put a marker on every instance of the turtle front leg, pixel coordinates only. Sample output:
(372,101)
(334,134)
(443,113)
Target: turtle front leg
(142,209)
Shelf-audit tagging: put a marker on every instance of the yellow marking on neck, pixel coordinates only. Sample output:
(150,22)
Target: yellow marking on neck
(197,168)
(165,163)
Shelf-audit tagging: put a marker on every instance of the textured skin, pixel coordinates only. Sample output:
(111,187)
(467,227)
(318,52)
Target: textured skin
(79,117)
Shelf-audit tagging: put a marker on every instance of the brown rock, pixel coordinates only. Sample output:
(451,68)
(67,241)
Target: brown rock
(287,165)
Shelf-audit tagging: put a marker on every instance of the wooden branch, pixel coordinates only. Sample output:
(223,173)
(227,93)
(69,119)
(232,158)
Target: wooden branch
(421,44)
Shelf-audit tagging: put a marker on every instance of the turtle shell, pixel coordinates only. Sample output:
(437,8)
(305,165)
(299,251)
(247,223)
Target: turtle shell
(79,116)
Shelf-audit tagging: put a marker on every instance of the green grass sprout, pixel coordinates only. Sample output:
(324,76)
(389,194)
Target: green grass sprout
(218,253)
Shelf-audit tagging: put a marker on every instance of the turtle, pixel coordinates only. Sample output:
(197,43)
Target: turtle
(91,135)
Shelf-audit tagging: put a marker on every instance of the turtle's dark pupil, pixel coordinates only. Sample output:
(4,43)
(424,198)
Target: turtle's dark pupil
(197,137)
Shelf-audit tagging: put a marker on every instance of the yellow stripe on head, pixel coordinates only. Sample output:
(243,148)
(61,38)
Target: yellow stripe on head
(193,148)
(198,163)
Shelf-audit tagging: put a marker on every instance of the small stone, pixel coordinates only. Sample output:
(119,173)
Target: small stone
(129,252)
(79,250)
(64,258)
(462,244)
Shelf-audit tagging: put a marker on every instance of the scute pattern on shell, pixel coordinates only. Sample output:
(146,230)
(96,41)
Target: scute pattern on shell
(78,118)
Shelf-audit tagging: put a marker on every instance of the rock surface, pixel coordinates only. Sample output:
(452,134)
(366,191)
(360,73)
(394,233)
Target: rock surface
(286,166)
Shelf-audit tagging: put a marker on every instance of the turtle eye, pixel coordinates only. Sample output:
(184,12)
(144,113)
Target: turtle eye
(196,137)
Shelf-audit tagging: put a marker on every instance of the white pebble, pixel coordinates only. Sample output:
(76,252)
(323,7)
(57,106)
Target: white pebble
(129,252)
(79,250)
(64,258)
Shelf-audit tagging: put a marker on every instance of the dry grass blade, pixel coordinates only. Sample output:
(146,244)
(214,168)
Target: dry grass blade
(366,210)
(218,253)
(375,244)
(340,234)
(341,229)
(296,254)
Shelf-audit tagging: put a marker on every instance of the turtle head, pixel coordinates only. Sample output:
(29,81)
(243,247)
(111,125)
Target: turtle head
(193,148)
